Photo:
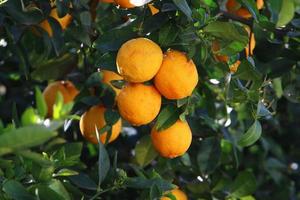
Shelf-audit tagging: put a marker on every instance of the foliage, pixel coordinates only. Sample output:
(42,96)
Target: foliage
(245,125)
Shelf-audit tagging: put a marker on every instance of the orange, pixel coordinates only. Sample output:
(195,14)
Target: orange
(64,22)
(138,60)
(173,141)
(215,48)
(234,67)
(236,8)
(180,195)
(153,9)
(109,76)
(93,118)
(139,104)
(177,76)
(252,43)
(66,88)
(131,3)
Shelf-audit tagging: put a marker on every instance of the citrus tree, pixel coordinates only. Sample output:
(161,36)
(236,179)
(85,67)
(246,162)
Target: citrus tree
(140,99)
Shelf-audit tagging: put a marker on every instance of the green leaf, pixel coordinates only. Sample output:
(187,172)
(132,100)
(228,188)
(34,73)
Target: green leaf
(209,154)
(251,136)
(40,103)
(144,151)
(59,188)
(16,190)
(29,117)
(35,157)
(83,181)
(68,155)
(58,105)
(66,172)
(233,38)
(167,117)
(44,192)
(55,68)
(277,85)
(85,18)
(167,35)
(247,71)
(103,163)
(111,116)
(155,192)
(184,7)
(286,13)
(142,183)
(24,137)
(243,185)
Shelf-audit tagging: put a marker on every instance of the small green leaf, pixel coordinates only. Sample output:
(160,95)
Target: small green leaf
(29,117)
(85,18)
(209,154)
(40,103)
(262,110)
(144,151)
(66,172)
(243,185)
(111,116)
(286,13)
(83,181)
(251,136)
(167,117)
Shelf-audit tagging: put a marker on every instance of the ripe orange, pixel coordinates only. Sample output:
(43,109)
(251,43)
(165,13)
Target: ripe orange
(66,88)
(139,104)
(216,47)
(64,22)
(131,3)
(93,118)
(109,76)
(179,194)
(177,76)
(173,141)
(236,8)
(138,60)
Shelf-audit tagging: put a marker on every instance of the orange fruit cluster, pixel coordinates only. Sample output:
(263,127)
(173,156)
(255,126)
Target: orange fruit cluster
(174,75)
(177,193)
(236,8)
(138,61)
(224,58)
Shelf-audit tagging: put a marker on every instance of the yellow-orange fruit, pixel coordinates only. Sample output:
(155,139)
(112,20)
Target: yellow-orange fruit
(153,9)
(216,47)
(236,8)
(63,21)
(93,118)
(138,60)
(177,76)
(252,43)
(66,88)
(234,67)
(179,194)
(131,3)
(139,104)
(109,76)
(173,141)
